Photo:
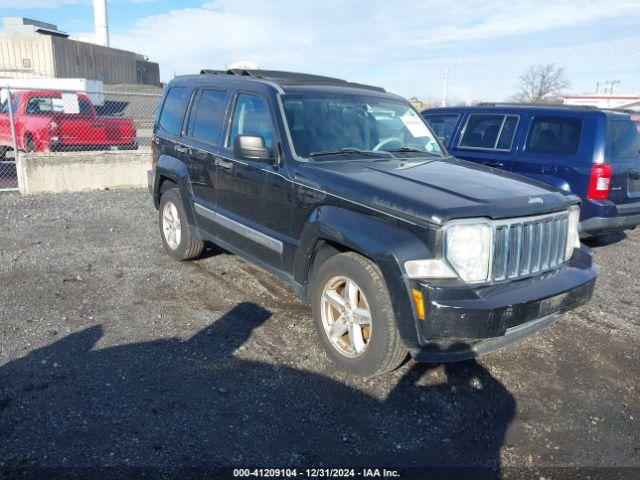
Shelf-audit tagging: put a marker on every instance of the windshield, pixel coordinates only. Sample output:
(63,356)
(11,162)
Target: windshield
(322,125)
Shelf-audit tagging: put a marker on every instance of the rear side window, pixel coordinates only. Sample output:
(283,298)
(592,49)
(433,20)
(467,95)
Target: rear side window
(173,110)
(554,136)
(252,117)
(489,131)
(624,138)
(443,125)
(85,107)
(209,116)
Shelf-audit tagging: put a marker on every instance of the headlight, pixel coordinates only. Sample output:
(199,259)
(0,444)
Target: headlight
(573,236)
(468,250)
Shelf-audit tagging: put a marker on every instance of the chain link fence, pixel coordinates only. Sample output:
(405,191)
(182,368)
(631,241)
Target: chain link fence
(40,121)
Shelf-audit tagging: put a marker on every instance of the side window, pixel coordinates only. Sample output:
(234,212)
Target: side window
(443,125)
(39,106)
(85,108)
(209,116)
(554,135)
(481,131)
(173,110)
(5,105)
(508,132)
(489,131)
(252,117)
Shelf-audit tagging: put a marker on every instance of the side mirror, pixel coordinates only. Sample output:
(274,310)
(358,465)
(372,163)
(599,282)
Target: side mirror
(252,147)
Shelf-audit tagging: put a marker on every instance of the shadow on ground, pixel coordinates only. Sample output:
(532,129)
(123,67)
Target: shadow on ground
(196,403)
(605,240)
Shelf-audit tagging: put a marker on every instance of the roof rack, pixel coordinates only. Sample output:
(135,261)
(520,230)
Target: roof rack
(539,105)
(290,78)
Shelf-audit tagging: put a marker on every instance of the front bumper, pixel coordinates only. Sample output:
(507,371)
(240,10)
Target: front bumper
(607,217)
(464,322)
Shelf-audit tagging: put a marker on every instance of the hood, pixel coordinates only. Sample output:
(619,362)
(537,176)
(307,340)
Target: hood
(434,191)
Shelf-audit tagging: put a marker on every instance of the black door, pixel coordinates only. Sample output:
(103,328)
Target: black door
(200,147)
(253,196)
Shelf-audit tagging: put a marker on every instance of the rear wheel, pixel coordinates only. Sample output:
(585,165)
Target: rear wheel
(29,144)
(354,317)
(177,239)
(3,153)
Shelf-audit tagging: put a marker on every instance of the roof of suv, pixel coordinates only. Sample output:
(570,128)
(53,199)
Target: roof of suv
(289,81)
(513,107)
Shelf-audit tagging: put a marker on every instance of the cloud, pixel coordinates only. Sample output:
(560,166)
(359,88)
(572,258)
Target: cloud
(403,46)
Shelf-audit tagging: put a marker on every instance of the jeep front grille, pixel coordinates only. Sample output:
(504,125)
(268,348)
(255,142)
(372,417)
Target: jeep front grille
(528,246)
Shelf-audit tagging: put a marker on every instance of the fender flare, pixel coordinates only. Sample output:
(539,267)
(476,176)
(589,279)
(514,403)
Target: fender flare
(385,243)
(170,168)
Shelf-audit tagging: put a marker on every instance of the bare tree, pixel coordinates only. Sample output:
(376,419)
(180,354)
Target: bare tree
(542,84)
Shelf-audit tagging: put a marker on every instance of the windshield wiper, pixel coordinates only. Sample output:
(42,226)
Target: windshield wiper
(348,151)
(408,149)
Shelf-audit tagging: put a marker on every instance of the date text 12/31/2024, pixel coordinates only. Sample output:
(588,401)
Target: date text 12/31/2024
(315,473)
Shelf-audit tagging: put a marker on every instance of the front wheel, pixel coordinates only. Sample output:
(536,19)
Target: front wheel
(177,239)
(30,144)
(354,317)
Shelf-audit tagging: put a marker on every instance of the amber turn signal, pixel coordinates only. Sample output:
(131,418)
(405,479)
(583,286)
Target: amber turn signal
(419,302)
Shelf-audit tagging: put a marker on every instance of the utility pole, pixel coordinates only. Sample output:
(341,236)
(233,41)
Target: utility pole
(445,80)
(609,84)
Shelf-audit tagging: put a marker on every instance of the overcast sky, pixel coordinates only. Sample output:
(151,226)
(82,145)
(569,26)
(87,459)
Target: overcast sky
(403,46)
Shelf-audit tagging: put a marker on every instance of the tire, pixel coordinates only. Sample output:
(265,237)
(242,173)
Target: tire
(384,350)
(131,146)
(3,153)
(182,246)
(29,144)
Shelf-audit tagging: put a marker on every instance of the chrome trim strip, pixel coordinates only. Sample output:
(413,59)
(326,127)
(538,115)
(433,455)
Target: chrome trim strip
(239,228)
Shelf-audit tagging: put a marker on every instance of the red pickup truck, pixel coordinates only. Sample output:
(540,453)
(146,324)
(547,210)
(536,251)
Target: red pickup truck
(53,121)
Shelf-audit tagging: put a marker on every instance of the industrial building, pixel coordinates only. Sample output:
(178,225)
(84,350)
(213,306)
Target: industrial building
(34,49)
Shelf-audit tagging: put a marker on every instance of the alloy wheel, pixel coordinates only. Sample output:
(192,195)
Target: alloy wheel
(346,316)
(171,225)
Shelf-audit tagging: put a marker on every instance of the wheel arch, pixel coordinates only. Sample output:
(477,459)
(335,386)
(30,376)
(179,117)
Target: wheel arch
(331,230)
(170,170)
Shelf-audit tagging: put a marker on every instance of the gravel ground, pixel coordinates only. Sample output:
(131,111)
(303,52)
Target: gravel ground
(112,354)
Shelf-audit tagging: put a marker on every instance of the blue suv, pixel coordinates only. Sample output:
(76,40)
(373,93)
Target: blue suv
(592,153)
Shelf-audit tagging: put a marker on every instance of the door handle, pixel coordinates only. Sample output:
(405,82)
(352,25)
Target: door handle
(495,164)
(181,148)
(223,164)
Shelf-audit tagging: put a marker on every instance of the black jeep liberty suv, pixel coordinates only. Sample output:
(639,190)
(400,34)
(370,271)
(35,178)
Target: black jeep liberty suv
(343,190)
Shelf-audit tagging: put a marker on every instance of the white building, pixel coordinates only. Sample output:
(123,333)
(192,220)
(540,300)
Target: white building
(623,101)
